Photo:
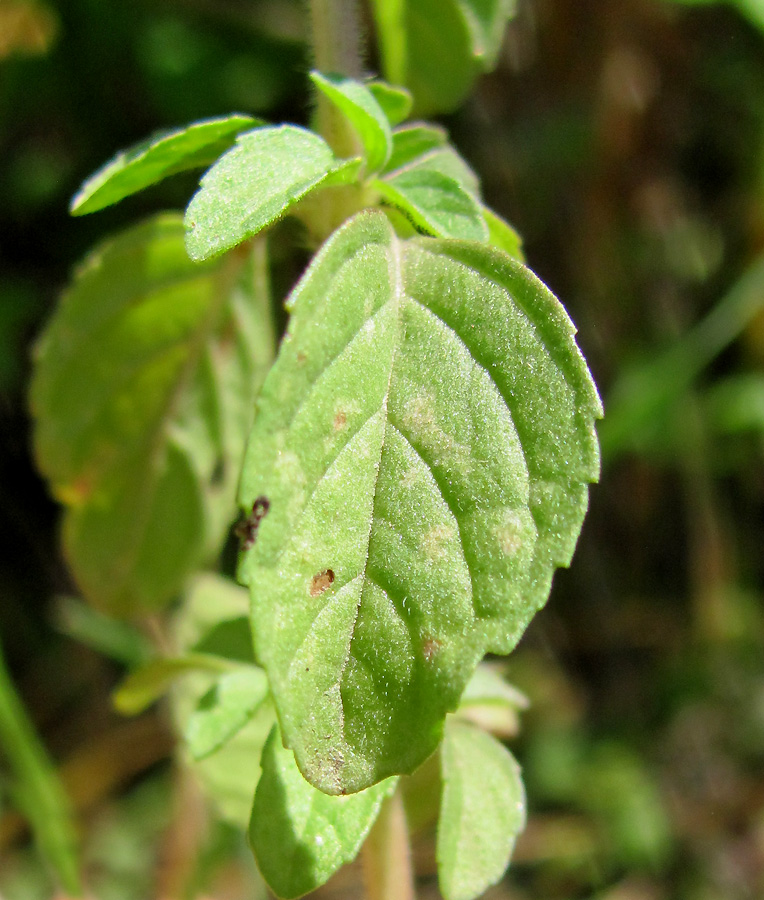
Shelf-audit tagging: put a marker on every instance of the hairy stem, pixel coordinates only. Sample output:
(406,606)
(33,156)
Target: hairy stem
(387,855)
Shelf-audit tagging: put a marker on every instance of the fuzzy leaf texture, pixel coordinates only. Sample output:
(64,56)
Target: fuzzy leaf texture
(425,440)
(257,181)
(163,154)
(482,811)
(143,393)
(301,836)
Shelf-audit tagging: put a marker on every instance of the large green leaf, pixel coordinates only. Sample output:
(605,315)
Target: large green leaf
(436,48)
(482,811)
(258,180)
(425,439)
(143,395)
(300,835)
(163,154)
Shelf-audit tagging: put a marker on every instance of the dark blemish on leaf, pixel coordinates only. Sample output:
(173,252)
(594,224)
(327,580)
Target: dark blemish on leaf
(246,530)
(301,357)
(218,473)
(340,421)
(321,582)
(430,648)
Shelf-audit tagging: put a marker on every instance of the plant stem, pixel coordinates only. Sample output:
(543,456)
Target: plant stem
(387,855)
(37,789)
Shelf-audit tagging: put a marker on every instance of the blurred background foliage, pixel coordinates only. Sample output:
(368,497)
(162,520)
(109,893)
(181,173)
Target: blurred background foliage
(625,141)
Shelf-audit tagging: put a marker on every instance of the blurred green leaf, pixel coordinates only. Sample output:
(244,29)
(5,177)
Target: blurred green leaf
(163,154)
(436,48)
(267,172)
(225,710)
(151,681)
(482,811)
(644,394)
(117,640)
(143,393)
(395,101)
(359,106)
(301,836)
(37,790)
(736,404)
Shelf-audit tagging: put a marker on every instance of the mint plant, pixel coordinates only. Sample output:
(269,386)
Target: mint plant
(417,461)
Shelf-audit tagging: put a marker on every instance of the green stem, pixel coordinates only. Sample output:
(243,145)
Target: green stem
(388,874)
(36,788)
(337,48)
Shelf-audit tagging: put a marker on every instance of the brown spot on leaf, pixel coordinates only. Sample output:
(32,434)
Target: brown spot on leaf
(321,582)
(430,648)
(301,357)
(340,420)
(246,530)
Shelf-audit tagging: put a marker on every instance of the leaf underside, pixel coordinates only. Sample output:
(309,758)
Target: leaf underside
(143,394)
(425,439)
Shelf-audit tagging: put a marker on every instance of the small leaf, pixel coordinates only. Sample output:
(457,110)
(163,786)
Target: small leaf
(491,703)
(482,811)
(146,685)
(210,615)
(413,141)
(425,440)
(503,236)
(438,47)
(266,173)
(301,836)
(446,161)
(395,101)
(435,203)
(225,710)
(487,20)
(163,154)
(143,393)
(360,107)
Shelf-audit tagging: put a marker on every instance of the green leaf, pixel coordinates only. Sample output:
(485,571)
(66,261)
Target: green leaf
(300,835)
(225,710)
(211,613)
(487,21)
(395,101)
(413,141)
(491,703)
(647,392)
(436,48)
(435,203)
(503,236)
(425,439)
(150,682)
(266,173)
(163,154)
(143,394)
(359,106)
(482,811)
(36,789)
(118,640)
